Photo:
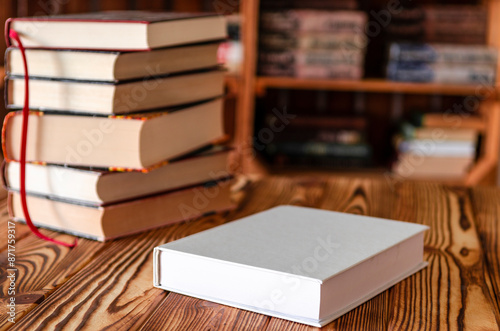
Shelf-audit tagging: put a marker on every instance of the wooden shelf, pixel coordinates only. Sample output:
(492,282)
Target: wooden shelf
(366,85)
(232,83)
(2,77)
(488,121)
(477,174)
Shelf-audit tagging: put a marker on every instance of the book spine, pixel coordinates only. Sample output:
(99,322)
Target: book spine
(311,71)
(328,135)
(312,4)
(329,72)
(6,121)
(325,4)
(6,92)
(409,15)
(6,61)
(283,41)
(442,53)
(470,28)
(421,72)
(322,122)
(313,21)
(323,161)
(433,148)
(464,39)
(455,14)
(408,132)
(276,70)
(311,57)
(411,31)
(331,41)
(277,41)
(319,149)
(332,21)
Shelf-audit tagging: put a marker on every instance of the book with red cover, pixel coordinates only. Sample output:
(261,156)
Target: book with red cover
(117,30)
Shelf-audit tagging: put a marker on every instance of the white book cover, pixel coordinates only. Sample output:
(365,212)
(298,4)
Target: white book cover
(301,264)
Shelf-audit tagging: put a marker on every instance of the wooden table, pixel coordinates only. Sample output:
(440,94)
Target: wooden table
(109,285)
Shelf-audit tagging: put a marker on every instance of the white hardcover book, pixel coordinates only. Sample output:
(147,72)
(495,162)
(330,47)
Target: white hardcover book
(301,264)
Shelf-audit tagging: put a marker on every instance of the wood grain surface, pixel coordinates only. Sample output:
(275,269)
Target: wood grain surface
(99,286)
(486,205)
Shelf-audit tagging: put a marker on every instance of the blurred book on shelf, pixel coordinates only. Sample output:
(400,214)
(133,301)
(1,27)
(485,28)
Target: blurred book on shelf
(310,4)
(440,43)
(431,153)
(442,63)
(458,24)
(332,142)
(312,43)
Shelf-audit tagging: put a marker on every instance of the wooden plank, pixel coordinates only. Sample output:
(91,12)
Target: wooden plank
(368,85)
(179,312)
(41,267)
(450,292)
(261,195)
(454,121)
(486,205)
(21,230)
(245,116)
(480,171)
(115,289)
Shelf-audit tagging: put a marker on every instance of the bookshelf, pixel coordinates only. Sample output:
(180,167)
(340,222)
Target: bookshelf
(254,86)
(366,85)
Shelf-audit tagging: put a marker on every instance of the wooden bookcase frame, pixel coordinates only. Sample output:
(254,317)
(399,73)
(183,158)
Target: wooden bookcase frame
(251,86)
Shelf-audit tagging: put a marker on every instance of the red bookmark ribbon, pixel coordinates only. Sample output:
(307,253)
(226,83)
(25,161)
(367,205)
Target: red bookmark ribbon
(24,138)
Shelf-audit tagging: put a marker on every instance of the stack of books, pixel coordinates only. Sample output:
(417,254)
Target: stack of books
(127,111)
(442,63)
(439,24)
(311,43)
(426,46)
(434,152)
